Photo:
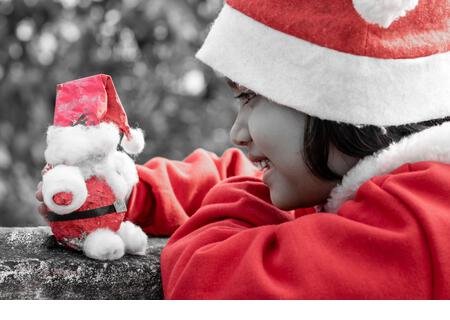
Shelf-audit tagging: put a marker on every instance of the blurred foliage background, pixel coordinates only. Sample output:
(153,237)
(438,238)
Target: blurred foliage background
(147,46)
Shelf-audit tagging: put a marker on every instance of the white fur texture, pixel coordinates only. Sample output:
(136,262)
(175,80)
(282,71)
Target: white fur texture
(73,145)
(134,238)
(136,143)
(103,244)
(327,83)
(432,144)
(64,178)
(93,150)
(125,167)
(383,12)
(118,169)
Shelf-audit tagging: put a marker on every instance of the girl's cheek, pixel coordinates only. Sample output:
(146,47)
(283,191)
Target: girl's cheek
(259,131)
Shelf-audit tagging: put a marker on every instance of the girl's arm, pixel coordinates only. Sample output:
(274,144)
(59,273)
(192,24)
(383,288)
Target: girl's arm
(169,191)
(239,246)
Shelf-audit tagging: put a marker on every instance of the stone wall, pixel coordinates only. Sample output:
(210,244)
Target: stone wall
(32,266)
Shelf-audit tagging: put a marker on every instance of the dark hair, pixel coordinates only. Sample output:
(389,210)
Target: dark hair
(351,140)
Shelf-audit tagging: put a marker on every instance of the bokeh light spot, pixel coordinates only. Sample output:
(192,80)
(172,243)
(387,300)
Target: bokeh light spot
(70,31)
(25,30)
(193,82)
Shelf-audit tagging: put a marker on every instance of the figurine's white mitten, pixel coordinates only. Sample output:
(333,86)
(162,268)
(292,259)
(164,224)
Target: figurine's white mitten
(134,238)
(64,178)
(103,244)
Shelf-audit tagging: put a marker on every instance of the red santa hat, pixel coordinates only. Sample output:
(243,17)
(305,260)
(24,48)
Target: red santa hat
(384,62)
(88,118)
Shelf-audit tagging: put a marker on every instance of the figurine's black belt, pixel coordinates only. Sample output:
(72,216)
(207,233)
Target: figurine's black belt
(98,212)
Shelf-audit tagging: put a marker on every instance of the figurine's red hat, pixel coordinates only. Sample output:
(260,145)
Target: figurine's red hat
(88,118)
(89,101)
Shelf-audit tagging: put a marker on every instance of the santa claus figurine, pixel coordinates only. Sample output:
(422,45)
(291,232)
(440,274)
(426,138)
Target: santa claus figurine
(87,179)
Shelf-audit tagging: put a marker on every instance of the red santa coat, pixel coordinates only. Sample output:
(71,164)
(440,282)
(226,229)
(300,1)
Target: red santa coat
(100,210)
(388,237)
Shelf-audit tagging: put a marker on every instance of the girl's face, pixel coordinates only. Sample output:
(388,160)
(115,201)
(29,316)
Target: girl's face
(275,132)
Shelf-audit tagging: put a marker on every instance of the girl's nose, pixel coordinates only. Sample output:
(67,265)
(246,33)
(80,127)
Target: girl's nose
(239,134)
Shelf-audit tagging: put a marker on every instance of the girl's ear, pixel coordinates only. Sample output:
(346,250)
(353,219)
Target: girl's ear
(340,162)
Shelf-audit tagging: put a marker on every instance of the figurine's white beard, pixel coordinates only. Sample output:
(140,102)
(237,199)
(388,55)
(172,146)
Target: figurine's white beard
(93,150)
(118,170)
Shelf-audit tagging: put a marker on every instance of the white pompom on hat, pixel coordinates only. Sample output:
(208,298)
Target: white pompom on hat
(135,142)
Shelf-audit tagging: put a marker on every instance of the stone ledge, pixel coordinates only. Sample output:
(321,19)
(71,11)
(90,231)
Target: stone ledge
(31,269)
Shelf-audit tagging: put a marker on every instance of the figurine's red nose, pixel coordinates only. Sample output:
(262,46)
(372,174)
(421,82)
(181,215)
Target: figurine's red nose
(63,198)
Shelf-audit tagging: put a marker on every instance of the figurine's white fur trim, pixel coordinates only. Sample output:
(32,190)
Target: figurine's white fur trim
(323,82)
(136,143)
(103,244)
(134,238)
(73,145)
(93,150)
(119,171)
(383,12)
(432,144)
(125,167)
(68,179)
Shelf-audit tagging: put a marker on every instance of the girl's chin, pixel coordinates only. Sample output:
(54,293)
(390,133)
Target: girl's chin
(284,199)
(268,176)
(279,200)
(282,205)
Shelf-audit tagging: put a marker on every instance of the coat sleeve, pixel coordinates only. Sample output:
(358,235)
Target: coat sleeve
(239,246)
(170,191)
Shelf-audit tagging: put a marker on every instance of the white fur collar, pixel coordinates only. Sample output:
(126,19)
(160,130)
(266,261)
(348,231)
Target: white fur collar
(432,144)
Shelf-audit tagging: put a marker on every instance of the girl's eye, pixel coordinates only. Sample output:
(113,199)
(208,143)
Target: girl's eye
(246,96)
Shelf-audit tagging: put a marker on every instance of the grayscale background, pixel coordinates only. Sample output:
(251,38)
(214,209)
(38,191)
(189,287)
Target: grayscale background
(147,46)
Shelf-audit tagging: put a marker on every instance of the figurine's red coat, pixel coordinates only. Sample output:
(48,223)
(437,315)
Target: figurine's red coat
(73,232)
(391,241)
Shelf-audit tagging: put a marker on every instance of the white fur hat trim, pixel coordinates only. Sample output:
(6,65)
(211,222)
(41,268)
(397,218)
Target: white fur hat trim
(68,179)
(383,12)
(73,145)
(323,82)
(135,144)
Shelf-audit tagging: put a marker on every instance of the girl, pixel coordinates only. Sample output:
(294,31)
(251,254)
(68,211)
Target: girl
(344,108)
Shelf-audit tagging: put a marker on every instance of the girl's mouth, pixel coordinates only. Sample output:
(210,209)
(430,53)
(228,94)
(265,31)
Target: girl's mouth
(263,165)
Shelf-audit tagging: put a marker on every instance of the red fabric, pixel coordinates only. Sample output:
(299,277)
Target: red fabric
(89,101)
(72,232)
(335,24)
(169,192)
(390,242)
